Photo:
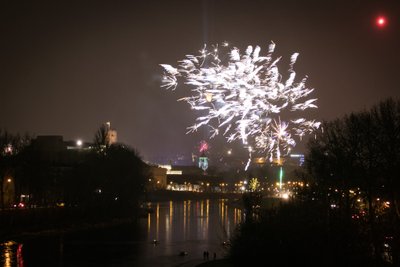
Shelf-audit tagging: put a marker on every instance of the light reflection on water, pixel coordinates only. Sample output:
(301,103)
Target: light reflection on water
(192,226)
(191,220)
(11,254)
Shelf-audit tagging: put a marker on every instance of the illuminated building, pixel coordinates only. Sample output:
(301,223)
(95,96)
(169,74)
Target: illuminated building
(191,178)
(203,162)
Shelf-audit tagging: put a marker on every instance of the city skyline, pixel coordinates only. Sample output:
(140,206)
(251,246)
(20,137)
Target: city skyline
(68,67)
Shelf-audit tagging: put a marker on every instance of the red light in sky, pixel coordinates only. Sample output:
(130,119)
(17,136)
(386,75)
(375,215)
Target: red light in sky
(381,21)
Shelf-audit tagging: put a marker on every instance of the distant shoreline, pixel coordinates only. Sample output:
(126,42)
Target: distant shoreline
(167,195)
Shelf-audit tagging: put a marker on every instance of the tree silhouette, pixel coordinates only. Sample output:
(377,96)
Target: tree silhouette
(358,156)
(100,141)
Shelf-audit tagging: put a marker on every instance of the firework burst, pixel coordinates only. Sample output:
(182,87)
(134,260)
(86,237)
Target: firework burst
(242,97)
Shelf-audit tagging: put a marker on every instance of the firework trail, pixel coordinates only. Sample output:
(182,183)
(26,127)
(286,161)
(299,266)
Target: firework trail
(242,97)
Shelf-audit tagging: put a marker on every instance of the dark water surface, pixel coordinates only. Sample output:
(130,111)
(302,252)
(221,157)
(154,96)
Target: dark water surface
(178,226)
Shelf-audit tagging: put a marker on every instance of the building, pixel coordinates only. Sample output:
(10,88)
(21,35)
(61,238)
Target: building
(192,178)
(157,179)
(203,162)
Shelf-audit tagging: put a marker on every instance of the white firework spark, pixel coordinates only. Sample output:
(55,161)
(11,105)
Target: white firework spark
(243,96)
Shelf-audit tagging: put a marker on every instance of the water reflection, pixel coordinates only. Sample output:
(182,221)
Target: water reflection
(190,226)
(11,254)
(193,220)
(8,254)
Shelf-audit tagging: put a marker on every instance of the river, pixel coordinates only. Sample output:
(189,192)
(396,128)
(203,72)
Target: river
(176,233)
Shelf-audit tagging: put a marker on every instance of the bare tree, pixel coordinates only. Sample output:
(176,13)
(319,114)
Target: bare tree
(101,141)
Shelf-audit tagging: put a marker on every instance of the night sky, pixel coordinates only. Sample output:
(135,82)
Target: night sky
(69,66)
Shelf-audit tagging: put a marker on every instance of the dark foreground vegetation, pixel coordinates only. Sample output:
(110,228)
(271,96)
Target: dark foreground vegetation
(297,235)
(347,214)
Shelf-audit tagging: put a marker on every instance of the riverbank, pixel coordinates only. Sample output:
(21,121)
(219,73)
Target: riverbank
(20,224)
(167,195)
